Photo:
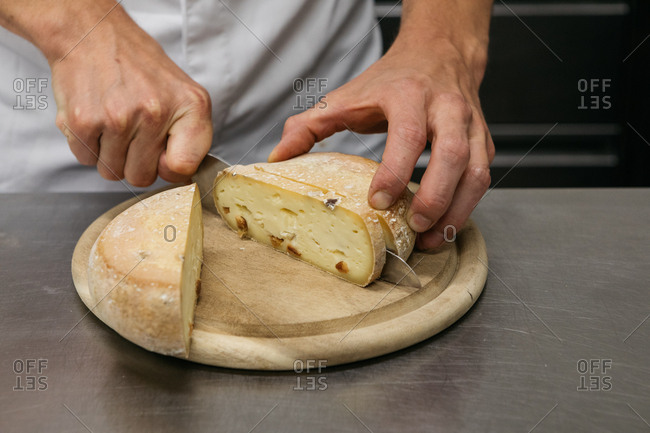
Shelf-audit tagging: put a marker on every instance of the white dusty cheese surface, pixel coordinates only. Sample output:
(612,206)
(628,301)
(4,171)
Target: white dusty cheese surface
(315,208)
(145,267)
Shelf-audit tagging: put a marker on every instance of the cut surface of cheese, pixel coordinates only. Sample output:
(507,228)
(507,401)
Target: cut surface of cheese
(315,208)
(145,267)
(350,176)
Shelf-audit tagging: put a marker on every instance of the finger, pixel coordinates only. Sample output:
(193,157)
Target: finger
(112,156)
(114,143)
(190,136)
(83,138)
(471,187)
(189,140)
(141,167)
(449,157)
(489,143)
(166,174)
(407,138)
(303,130)
(143,155)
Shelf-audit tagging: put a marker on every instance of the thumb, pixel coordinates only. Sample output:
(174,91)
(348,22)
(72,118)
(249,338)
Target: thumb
(303,130)
(189,140)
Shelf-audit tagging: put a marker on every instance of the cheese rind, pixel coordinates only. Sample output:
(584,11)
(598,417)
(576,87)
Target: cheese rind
(144,270)
(315,208)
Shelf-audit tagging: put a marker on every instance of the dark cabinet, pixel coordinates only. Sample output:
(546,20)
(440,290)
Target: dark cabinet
(565,92)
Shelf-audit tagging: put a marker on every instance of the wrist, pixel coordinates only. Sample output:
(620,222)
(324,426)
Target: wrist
(468,52)
(456,31)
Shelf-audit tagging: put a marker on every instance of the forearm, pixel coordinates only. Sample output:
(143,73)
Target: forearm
(461,25)
(55,27)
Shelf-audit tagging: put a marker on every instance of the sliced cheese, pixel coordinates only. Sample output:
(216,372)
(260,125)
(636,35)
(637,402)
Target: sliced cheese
(145,267)
(316,213)
(350,176)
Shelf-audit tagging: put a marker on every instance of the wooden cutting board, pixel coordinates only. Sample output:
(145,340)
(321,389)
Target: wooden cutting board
(263,310)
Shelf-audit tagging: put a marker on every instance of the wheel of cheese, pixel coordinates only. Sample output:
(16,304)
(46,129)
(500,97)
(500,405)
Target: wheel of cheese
(315,208)
(144,270)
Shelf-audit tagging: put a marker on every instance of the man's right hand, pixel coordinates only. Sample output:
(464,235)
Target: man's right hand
(123,104)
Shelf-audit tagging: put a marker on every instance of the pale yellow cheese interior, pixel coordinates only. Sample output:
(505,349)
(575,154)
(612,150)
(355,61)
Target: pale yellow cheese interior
(191,272)
(307,226)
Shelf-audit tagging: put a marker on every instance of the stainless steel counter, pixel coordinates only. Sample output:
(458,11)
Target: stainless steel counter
(558,341)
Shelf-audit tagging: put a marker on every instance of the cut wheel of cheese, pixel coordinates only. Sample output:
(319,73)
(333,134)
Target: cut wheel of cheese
(145,267)
(315,208)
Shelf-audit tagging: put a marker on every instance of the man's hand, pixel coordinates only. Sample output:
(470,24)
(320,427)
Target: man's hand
(122,103)
(424,88)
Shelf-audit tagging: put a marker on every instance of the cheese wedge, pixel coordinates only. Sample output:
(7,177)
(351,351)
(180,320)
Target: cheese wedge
(315,208)
(145,267)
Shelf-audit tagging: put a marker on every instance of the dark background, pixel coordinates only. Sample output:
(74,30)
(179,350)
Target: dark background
(542,56)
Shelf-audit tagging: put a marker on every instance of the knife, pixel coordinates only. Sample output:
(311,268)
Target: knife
(396,270)
(204,178)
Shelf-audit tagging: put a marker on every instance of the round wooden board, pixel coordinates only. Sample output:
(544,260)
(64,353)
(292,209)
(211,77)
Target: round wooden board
(263,310)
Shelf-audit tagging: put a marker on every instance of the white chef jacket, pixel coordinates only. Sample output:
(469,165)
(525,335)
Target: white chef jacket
(261,62)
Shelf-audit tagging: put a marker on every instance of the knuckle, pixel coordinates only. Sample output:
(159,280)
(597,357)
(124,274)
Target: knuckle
(454,151)
(480,176)
(82,120)
(415,81)
(291,123)
(457,103)
(411,137)
(434,203)
(152,111)
(117,120)
(200,99)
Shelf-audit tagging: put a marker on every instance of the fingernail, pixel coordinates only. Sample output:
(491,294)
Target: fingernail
(381,200)
(420,223)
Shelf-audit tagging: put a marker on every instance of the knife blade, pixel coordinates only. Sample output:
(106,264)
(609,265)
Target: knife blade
(396,270)
(204,178)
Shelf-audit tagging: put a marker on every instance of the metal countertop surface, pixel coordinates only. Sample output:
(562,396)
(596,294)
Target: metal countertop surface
(558,341)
